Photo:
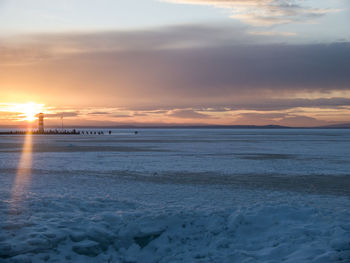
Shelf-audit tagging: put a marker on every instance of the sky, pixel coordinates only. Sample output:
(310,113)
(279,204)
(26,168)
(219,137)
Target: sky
(175,62)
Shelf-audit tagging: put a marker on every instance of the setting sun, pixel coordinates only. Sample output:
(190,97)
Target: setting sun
(28,110)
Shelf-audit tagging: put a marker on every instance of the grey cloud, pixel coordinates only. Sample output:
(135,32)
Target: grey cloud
(122,116)
(221,73)
(285,104)
(284,119)
(262,104)
(38,47)
(98,113)
(146,111)
(264,115)
(62,114)
(264,12)
(188,114)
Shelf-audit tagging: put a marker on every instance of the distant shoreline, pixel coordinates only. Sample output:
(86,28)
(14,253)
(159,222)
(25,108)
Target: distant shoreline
(339,126)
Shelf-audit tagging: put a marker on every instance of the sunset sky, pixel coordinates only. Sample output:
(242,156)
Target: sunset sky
(160,62)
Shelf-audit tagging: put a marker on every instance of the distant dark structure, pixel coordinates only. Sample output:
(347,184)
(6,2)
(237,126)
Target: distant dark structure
(47,132)
(42,131)
(41,123)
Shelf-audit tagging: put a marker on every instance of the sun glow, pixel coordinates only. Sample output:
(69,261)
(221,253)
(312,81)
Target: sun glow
(28,111)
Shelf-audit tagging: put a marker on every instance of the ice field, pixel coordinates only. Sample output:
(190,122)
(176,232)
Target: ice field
(176,195)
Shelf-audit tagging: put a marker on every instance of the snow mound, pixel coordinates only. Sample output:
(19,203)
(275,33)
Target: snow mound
(244,234)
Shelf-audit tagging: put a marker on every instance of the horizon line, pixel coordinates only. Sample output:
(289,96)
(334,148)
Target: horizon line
(182,126)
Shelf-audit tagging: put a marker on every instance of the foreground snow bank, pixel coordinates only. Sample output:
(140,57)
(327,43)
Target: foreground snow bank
(72,231)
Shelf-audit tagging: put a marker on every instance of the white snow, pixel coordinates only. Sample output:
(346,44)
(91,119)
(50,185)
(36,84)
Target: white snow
(145,200)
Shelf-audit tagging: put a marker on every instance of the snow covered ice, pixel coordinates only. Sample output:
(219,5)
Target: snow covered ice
(168,195)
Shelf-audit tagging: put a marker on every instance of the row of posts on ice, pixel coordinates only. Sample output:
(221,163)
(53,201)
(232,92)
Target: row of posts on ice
(41,130)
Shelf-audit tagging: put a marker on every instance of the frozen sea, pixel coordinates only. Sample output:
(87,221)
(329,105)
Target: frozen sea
(176,195)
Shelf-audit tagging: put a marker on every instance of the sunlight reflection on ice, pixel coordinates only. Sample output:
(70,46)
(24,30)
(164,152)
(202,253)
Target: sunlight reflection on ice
(24,171)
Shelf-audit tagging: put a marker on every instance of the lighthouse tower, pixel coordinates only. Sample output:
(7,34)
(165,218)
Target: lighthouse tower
(41,122)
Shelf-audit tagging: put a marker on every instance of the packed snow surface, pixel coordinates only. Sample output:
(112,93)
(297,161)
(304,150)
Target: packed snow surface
(172,195)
